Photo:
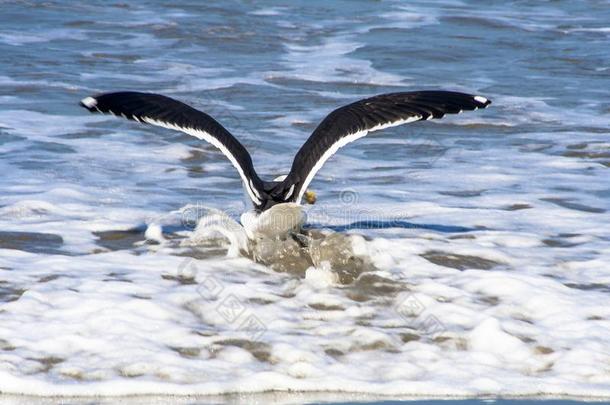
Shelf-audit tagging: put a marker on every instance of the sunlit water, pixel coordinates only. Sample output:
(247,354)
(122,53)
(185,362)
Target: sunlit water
(467,256)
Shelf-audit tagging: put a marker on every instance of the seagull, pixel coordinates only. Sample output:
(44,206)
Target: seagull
(342,126)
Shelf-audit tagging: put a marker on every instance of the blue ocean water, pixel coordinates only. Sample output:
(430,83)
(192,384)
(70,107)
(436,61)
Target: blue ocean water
(493,223)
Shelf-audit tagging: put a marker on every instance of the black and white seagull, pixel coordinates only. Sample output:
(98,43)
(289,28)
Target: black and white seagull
(340,127)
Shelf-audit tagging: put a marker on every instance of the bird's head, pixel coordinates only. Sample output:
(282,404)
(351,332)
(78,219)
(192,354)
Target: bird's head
(310,196)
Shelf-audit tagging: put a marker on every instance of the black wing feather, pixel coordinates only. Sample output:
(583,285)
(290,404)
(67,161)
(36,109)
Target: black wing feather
(163,111)
(364,116)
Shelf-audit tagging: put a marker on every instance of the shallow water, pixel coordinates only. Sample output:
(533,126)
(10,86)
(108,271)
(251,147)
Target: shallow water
(462,257)
(298,398)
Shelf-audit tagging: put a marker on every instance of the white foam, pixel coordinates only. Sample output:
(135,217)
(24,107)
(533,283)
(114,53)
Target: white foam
(154,232)
(269,11)
(321,276)
(329,61)
(19,38)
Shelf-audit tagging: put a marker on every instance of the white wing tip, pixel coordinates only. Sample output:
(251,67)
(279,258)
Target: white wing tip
(89,102)
(481,99)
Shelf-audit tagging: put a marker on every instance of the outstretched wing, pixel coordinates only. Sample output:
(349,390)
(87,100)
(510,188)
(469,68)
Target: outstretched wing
(166,112)
(353,121)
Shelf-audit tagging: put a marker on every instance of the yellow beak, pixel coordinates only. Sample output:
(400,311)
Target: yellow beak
(310,197)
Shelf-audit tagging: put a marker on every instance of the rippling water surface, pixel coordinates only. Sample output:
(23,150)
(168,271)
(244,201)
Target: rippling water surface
(465,256)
